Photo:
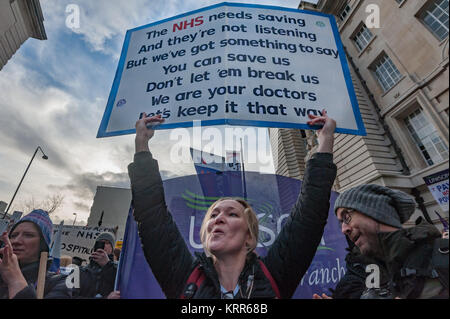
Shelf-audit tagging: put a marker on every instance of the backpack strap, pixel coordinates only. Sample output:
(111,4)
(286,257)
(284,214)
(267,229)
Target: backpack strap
(194,281)
(271,280)
(430,262)
(197,277)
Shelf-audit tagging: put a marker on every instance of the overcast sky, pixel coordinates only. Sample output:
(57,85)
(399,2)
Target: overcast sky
(54,93)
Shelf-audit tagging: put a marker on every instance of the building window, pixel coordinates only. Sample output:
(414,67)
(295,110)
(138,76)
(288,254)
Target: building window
(362,37)
(435,17)
(344,11)
(427,139)
(386,72)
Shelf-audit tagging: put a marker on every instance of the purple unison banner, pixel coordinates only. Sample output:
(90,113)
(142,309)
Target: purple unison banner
(271,196)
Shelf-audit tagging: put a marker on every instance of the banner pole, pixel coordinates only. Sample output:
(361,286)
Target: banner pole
(243,171)
(41,275)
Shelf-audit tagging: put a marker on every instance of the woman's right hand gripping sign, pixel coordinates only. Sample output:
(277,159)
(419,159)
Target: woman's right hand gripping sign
(145,130)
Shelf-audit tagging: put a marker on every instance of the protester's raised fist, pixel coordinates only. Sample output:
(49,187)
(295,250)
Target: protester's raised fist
(326,133)
(328,124)
(145,131)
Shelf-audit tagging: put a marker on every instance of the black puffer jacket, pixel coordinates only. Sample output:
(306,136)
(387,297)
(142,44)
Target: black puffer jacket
(287,260)
(54,288)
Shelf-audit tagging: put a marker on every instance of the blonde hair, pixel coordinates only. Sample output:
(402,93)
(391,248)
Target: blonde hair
(249,216)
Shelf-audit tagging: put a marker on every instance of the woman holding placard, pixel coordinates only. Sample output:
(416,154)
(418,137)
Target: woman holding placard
(229,268)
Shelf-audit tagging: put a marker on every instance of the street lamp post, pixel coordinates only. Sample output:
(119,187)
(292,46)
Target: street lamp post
(74,219)
(12,199)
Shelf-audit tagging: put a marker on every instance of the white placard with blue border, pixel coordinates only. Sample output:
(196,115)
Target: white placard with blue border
(438,184)
(235,64)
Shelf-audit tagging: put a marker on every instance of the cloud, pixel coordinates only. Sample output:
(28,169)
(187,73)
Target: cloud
(63,119)
(24,110)
(85,185)
(103,23)
(81,206)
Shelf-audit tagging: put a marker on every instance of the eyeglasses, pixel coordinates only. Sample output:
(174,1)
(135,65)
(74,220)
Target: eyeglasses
(346,217)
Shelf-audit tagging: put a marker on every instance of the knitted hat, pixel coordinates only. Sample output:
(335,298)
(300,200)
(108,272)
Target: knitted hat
(41,219)
(385,205)
(108,237)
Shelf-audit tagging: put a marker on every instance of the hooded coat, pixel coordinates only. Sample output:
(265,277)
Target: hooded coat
(287,260)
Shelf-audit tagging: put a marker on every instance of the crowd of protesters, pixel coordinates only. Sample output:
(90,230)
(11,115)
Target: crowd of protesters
(412,262)
(21,259)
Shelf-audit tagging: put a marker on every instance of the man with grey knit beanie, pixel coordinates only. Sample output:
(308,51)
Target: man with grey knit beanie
(372,216)
(388,206)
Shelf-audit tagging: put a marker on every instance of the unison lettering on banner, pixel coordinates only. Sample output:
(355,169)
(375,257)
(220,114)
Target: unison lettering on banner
(438,184)
(233,64)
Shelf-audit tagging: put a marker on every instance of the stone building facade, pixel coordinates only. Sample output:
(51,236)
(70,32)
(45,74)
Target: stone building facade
(19,20)
(397,52)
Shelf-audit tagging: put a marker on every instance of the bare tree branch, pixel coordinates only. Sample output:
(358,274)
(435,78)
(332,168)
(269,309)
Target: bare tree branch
(50,204)
(53,202)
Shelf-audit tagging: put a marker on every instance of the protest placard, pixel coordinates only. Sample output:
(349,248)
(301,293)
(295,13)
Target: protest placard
(235,64)
(79,240)
(438,184)
(16,216)
(4,223)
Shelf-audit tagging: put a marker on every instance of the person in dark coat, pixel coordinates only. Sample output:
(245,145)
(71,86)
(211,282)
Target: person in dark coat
(230,230)
(98,277)
(414,259)
(353,284)
(20,256)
